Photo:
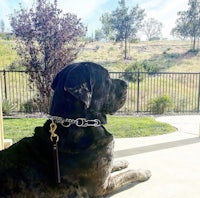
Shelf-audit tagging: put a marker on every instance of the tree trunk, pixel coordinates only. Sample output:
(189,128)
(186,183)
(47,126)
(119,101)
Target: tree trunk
(194,43)
(125,48)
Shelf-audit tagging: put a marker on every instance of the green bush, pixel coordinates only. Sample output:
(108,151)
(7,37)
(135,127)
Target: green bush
(161,104)
(131,72)
(170,55)
(29,107)
(15,66)
(97,47)
(193,51)
(150,67)
(7,107)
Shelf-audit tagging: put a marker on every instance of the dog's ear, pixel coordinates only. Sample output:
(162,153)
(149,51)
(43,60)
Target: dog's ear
(55,82)
(78,83)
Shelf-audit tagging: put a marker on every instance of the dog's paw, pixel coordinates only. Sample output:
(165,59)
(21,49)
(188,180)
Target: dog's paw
(119,165)
(143,175)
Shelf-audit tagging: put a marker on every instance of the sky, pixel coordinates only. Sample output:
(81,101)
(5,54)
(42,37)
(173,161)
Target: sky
(90,11)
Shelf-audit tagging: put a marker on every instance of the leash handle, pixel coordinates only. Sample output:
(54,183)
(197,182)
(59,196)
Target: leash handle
(56,161)
(55,138)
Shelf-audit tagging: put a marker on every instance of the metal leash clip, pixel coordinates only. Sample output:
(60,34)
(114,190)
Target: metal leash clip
(83,122)
(54,136)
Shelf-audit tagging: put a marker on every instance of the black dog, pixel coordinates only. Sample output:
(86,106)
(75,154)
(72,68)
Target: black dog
(72,154)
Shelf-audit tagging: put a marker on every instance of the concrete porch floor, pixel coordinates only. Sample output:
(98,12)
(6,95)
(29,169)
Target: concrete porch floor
(173,159)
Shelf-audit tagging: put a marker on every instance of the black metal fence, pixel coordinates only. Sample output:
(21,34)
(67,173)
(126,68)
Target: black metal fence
(182,88)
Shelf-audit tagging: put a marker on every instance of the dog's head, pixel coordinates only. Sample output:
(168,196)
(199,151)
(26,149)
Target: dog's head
(86,90)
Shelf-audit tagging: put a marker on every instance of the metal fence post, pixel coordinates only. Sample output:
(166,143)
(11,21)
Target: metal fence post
(1,123)
(198,106)
(5,84)
(138,91)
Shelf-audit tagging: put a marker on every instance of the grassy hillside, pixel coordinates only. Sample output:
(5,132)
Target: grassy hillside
(7,53)
(166,55)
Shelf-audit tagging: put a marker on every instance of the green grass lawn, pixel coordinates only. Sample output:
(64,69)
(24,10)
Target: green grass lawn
(17,128)
(122,127)
(119,126)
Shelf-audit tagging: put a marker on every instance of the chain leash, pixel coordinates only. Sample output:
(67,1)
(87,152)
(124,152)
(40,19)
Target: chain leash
(80,122)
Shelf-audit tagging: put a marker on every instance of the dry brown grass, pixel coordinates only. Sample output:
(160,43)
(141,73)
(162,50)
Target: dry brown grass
(172,54)
(7,54)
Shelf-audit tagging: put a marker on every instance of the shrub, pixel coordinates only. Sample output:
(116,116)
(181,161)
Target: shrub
(29,107)
(150,67)
(15,65)
(7,107)
(161,104)
(194,51)
(155,38)
(171,55)
(131,72)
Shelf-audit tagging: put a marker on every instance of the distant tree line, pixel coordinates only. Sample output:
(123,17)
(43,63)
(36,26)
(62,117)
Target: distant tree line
(3,33)
(188,24)
(2,26)
(123,24)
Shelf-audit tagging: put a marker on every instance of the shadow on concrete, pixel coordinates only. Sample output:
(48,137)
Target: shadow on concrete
(155,147)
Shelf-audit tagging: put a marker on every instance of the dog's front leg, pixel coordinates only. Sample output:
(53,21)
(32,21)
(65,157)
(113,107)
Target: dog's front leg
(124,178)
(119,165)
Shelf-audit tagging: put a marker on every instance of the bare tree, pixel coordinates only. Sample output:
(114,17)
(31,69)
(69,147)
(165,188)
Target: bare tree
(47,40)
(152,28)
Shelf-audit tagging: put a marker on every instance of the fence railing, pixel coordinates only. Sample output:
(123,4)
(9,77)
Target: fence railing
(143,87)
